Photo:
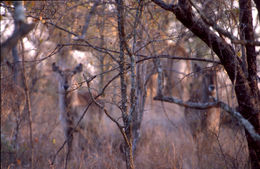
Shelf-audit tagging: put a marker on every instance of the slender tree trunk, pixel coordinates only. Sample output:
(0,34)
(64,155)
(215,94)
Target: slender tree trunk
(138,89)
(102,56)
(28,103)
(127,117)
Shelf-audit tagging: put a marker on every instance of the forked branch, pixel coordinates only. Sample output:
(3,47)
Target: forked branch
(244,122)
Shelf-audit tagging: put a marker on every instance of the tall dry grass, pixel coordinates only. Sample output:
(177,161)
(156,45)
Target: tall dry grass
(166,142)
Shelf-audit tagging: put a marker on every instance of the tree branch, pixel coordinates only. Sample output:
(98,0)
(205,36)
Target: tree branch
(176,57)
(88,18)
(195,105)
(210,22)
(11,42)
(107,114)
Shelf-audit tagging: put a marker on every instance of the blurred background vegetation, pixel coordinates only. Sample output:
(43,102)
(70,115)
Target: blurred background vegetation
(72,32)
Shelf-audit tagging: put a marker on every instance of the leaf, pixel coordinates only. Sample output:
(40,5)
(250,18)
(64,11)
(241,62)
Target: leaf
(36,140)
(19,162)
(30,4)
(238,53)
(54,141)
(42,20)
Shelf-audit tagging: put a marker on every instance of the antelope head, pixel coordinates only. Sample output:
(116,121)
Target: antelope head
(66,76)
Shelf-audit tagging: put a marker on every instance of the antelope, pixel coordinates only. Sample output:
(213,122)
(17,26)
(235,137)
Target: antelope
(72,104)
(203,89)
(173,71)
(203,124)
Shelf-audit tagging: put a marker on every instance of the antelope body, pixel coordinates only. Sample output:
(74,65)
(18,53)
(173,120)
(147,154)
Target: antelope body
(203,124)
(72,104)
(203,89)
(174,71)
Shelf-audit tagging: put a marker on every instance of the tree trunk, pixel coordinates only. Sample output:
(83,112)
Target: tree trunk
(246,29)
(127,117)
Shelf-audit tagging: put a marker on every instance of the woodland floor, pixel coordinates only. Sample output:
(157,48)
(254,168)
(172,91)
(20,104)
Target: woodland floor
(166,143)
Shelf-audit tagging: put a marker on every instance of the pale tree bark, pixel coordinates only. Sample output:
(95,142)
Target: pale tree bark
(138,78)
(88,18)
(245,123)
(127,116)
(138,84)
(246,90)
(101,57)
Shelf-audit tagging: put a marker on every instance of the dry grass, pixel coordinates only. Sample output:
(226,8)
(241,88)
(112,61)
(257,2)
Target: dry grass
(166,142)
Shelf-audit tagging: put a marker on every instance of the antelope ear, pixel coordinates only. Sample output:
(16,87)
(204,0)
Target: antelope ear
(54,67)
(78,68)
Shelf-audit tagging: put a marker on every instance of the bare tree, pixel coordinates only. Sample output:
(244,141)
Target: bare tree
(126,114)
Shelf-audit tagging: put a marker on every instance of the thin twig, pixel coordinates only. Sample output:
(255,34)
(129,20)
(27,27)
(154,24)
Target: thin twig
(28,103)
(121,128)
